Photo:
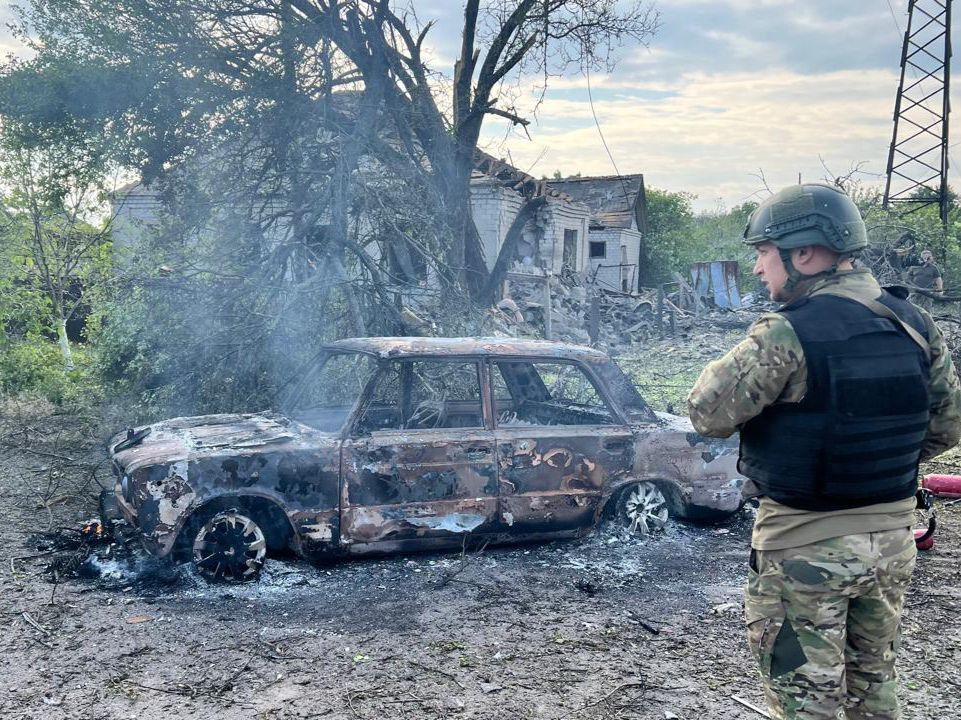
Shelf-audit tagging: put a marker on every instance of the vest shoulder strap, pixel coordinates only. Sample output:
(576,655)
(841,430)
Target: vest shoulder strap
(884,311)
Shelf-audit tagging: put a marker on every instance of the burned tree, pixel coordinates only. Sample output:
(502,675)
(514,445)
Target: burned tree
(206,69)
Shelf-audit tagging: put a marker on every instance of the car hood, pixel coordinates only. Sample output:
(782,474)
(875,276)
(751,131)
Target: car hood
(185,438)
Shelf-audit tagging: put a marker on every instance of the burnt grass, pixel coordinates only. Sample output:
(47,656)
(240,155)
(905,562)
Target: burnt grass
(608,626)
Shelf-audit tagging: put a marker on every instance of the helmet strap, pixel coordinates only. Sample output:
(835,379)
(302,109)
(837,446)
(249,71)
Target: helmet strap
(793,276)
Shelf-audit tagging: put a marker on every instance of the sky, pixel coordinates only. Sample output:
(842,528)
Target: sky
(727,91)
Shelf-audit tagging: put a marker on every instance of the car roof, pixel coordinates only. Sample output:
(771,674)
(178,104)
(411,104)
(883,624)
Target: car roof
(389,347)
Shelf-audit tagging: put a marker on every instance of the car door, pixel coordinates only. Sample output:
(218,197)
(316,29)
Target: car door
(420,467)
(558,442)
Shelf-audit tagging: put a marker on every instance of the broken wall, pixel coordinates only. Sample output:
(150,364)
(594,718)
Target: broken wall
(622,248)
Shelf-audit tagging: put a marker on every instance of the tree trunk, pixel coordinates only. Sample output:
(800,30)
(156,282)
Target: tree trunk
(64,343)
(451,165)
(358,326)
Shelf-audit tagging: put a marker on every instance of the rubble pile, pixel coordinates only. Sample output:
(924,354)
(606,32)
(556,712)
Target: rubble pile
(613,321)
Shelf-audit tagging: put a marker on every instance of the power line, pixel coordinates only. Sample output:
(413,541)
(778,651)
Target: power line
(914,137)
(597,124)
(895,19)
(914,71)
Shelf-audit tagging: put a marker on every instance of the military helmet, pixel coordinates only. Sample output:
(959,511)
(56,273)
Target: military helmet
(809,214)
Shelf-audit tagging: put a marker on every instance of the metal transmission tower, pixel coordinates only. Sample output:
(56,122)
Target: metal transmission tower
(917,171)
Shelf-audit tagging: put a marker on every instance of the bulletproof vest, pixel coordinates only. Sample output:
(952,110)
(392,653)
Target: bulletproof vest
(855,438)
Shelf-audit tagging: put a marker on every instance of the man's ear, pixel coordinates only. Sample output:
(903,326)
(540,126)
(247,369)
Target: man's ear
(802,256)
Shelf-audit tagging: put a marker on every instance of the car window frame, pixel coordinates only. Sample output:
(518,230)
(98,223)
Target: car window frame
(613,408)
(384,365)
(297,389)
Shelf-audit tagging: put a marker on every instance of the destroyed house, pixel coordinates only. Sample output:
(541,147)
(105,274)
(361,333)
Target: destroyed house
(552,241)
(618,222)
(588,227)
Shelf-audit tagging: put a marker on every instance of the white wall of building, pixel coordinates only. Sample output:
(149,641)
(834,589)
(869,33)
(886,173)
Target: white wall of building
(561,216)
(622,247)
(493,208)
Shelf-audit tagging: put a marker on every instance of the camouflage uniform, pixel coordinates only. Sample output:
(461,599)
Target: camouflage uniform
(826,589)
(823,624)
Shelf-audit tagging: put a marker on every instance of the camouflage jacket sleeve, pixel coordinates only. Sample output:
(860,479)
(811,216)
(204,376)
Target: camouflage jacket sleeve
(944,393)
(766,367)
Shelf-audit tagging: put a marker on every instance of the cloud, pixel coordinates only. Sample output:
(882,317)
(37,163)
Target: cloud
(736,4)
(715,132)
(729,88)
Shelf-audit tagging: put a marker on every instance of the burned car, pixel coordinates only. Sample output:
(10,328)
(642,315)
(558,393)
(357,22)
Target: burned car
(397,444)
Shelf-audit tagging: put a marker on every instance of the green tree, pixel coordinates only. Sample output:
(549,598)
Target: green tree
(671,226)
(909,227)
(679,237)
(53,190)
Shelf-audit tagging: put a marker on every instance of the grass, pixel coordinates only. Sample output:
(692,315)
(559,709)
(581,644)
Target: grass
(666,370)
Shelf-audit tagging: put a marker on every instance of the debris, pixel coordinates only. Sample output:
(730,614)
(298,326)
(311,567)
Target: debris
(414,324)
(137,619)
(725,608)
(612,693)
(510,308)
(644,623)
(35,624)
(749,706)
(590,314)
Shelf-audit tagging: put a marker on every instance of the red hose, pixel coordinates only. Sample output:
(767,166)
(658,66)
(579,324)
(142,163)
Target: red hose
(922,542)
(946,486)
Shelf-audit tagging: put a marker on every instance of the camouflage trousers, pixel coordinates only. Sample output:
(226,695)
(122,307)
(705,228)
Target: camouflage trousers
(823,622)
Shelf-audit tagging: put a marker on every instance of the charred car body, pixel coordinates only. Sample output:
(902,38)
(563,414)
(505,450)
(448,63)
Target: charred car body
(395,444)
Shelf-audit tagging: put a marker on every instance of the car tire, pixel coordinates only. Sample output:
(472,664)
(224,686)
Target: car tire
(229,547)
(643,508)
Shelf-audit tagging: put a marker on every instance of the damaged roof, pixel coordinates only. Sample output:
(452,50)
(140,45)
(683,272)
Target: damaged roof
(614,200)
(490,346)
(517,180)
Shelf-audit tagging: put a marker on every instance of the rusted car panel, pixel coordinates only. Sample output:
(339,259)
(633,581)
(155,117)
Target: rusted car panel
(555,477)
(185,462)
(414,443)
(397,347)
(400,488)
(702,469)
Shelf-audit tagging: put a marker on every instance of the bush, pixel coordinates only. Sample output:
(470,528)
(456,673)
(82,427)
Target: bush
(36,366)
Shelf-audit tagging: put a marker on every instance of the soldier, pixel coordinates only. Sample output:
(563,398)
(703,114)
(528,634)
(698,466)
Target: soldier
(837,397)
(926,276)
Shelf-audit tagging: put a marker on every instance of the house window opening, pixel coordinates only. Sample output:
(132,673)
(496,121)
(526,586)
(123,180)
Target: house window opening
(598,250)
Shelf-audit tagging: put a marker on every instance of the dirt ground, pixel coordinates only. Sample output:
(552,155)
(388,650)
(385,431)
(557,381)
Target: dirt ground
(605,627)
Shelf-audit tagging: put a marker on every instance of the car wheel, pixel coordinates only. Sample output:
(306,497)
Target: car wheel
(643,508)
(230,547)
